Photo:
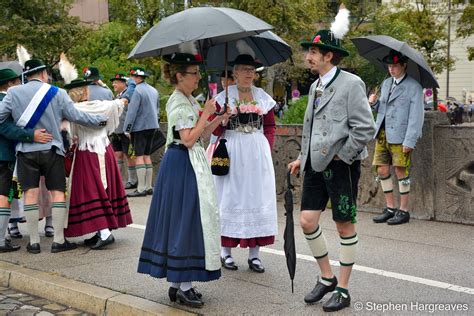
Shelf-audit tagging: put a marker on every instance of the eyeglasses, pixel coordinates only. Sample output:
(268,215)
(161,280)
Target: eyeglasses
(247,69)
(195,73)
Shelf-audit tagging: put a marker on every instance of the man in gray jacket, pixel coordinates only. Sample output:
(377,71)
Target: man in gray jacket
(337,126)
(37,104)
(141,122)
(400,115)
(97,89)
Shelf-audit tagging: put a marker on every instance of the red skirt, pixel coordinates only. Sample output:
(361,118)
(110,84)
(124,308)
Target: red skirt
(247,242)
(92,207)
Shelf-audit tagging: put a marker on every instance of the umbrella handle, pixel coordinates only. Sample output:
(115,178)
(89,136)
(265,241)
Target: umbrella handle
(288,180)
(223,110)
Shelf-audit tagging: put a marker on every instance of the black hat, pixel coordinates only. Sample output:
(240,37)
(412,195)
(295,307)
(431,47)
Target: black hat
(76,83)
(34,65)
(139,72)
(119,76)
(325,39)
(183,59)
(246,59)
(220,162)
(394,57)
(7,75)
(91,73)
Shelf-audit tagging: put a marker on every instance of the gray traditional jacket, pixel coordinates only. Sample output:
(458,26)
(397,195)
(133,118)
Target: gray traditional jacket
(143,109)
(341,125)
(97,92)
(61,107)
(403,113)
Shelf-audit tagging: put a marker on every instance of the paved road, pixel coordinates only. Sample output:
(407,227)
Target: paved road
(16,303)
(406,268)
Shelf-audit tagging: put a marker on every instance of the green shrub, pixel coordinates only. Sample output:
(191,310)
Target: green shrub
(295,112)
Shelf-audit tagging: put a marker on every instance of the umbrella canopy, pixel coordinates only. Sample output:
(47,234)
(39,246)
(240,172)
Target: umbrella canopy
(269,49)
(289,233)
(374,48)
(13,65)
(208,26)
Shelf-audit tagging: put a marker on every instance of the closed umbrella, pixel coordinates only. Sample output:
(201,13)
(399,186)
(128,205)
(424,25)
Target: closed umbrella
(269,49)
(374,48)
(289,233)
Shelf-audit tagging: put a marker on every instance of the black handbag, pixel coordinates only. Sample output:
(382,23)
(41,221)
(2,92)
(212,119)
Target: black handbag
(158,140)
(220,162)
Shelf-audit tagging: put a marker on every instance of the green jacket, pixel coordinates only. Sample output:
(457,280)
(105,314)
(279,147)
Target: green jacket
(9,134)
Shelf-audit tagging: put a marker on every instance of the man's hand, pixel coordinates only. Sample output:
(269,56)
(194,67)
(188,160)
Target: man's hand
(406,149)
(125,101)
(128,135)
(294,166)
(373,98)
(336,157)
(42,136)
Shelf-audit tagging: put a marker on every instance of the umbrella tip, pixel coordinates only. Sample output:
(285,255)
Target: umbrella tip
(292,287)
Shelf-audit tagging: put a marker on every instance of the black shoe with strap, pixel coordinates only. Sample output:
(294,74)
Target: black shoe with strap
(14,232)
(229,265)
(102,243)
(48,231)
(319,291)
(256,265)
(149,192)
(400,217)
(385,216)
(8,247)
(189,298)
(337,302)
(130,185)
(92,241)
(172,293)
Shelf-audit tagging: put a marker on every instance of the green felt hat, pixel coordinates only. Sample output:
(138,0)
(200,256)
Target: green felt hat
(76,83)
(139,72)
(34,65)
(92,73)
(325,39)
(6,75)
(119,76)
(183,59)
(394,57)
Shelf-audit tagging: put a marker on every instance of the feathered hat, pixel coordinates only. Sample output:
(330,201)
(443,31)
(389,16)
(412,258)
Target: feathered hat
(30,65)
(332,39)
(246,55)
(69,73)
(187,55)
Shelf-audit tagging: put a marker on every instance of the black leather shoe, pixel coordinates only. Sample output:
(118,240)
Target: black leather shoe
(188,298)
(102,243)
(9,247)
(172,293)
(319,291)
(92,241)
(149,192)
(386,215)
(33,248)
(136,194)
(256,265)
(229,266)
(130,185)
(337,302)
(66,246)
(400,217)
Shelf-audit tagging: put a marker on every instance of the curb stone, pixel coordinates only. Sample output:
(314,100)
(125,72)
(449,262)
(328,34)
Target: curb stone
(89,298)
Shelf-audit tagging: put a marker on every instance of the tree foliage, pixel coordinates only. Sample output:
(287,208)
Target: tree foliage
(43,27)
(466,27)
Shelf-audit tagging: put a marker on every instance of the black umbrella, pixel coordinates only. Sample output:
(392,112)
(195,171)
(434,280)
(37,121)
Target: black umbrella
(269,49)
(374,48)
(289,234)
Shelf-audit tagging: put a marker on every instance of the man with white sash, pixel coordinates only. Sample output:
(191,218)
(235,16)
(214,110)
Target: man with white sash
(37,104)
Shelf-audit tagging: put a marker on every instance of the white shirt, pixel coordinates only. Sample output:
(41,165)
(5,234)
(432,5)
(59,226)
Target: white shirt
(328,76)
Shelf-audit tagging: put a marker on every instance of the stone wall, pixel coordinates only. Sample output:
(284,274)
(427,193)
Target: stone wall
(442,174)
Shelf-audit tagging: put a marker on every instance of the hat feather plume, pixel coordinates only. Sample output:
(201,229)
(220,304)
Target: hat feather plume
(188,48)
(22,54)
(244,48)
(340,26)
(68,71)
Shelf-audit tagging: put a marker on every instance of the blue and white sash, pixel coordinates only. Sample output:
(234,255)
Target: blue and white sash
(37,106)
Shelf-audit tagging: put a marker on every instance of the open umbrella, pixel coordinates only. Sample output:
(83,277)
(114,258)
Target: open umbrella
(269,49)
(208,26)
(289,233)
(374,48)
